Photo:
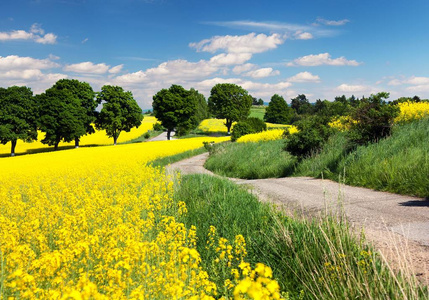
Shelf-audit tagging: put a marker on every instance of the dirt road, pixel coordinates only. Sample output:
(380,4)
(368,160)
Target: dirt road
(397,225)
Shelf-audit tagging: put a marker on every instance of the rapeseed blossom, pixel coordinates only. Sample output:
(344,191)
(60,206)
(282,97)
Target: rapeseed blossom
(410,111)
(100,223)
(268,135)
(218,125)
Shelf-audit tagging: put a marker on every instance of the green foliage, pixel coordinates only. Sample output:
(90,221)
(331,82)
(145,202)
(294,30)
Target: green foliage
(120,111)
(18,114)
(301,105)
(61,115)
(260,102)
(247,126)
(278,111)
(229,101)
(312,133)
(251,160)
(146,135)
(176,108)
(374,119)
(202,109)
(82,91)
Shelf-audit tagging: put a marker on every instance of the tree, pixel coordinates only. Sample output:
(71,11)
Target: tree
(278,111)
(60,115)
(260,102)
(201,110)
(86,96)
(120,111)
(231,102)
(175,108)
(301,105)
(17,116)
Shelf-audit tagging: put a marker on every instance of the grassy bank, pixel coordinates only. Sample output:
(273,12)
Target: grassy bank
(320,259)
(251,160)
(398,164)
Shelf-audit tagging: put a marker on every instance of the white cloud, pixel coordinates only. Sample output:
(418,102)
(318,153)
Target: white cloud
(243,68)
(322,59)
(36,34)
(394,82)
(85,40)
(304,77)
(418,80)
(332,22)
(14,62)
(87,67)
(116,69)
(346,88)
(250,43)
(230,58)
(261,73)
(303,35)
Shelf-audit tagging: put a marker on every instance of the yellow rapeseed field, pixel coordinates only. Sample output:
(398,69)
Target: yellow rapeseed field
(268,135)
(410,111)
(218,125)
(97,138)
(98,223)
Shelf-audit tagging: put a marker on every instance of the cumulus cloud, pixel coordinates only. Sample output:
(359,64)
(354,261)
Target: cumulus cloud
(332,22)
(243,68)
(303,35)
(304,77)
(346,88)
(35,34)
(14,62)
(116,69)
(87,67)
(250,43)
(322,59)
(230,58)
(261,73)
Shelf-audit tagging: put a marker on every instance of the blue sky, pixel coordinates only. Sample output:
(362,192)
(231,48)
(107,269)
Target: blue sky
(319,48)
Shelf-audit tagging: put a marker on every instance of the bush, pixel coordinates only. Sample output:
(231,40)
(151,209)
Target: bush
(146,135)
(373,119)
(312,134)
(248,126)
(158,127)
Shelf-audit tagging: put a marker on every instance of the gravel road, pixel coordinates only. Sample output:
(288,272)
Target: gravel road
(397,225)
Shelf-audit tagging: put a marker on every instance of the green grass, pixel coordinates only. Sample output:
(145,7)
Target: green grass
(318,259)
(164,161)
(257,112)
(251,160)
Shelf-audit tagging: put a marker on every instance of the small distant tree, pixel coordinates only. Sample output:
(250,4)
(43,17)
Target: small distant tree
(301,105)
(17,116)
(175,108)
(260,102)
(231,102)
(60,116)
(278,111)
(120,111)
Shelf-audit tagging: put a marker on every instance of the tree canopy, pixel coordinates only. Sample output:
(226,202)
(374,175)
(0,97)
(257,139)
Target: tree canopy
(176,108)
(17,116)
(120,111)
(278,111)
(301,105)
(60,115)
(229,101)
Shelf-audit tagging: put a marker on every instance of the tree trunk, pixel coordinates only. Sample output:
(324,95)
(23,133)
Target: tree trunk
(115,139)
(12,150)
(76,142)
(56,146)
(228,126)
(168,134)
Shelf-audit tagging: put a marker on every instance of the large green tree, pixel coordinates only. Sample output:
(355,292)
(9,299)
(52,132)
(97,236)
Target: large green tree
(301,105)
(175,108)
(120,111)
(60,115)
(17,116)
(231,102)
(278,111)
(86,96)
(202,109)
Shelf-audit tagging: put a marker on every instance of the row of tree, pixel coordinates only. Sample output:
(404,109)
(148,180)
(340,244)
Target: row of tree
(65,112)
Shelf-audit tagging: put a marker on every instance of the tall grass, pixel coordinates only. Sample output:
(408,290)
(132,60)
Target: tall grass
(251,160)
(318,259)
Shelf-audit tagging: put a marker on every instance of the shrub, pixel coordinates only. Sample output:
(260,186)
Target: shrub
(374,119)
(146,135)
(158,127)
(248,126)
(312,133)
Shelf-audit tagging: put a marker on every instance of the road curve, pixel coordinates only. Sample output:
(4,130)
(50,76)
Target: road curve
(397,225)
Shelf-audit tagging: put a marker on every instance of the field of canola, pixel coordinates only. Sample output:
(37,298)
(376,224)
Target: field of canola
(99,223)
(97,138)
